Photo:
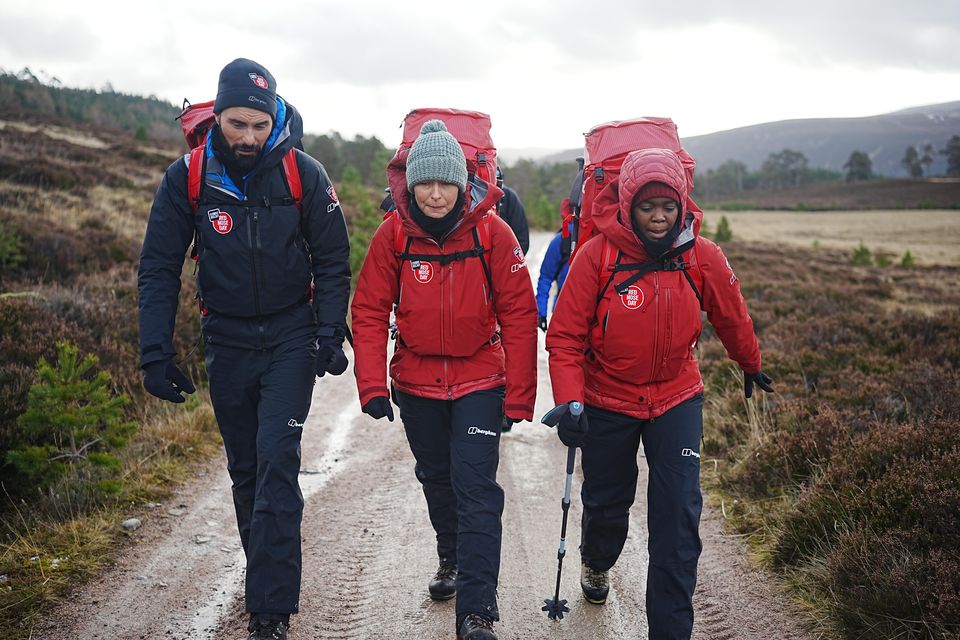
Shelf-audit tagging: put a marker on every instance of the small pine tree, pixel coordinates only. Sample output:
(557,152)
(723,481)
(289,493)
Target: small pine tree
(881,258)
(908,261)
(73,424)
(862,256)
(724,233)
(368,218)
(11,255)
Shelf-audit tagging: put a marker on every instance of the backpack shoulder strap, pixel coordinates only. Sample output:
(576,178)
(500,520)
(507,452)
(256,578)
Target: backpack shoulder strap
(691,269)
(292,172)
(400,244)
(610,258)
(482,243)
(195,176)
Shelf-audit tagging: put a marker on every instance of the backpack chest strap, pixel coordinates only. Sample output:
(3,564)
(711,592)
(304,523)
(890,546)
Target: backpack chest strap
(443,258)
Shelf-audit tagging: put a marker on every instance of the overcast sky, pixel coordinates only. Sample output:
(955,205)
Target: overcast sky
(544,71)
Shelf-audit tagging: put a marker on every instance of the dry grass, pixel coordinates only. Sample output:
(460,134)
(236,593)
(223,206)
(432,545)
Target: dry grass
(43,557)
(932,237)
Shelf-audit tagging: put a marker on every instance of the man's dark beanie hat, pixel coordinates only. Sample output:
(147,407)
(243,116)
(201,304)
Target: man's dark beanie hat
(244,83)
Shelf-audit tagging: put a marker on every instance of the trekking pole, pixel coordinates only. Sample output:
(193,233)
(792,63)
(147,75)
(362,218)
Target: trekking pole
(555,607)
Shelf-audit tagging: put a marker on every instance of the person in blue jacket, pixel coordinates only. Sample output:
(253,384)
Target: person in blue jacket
(553,269)
(273,285)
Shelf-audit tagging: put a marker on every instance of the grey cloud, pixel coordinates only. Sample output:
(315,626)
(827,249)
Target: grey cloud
(918,34)
(391,45)
(46,39)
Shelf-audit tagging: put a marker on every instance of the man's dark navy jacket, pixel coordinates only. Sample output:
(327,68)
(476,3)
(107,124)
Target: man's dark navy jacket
(257,251)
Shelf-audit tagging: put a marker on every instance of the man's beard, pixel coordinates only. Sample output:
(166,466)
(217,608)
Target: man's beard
(231,156)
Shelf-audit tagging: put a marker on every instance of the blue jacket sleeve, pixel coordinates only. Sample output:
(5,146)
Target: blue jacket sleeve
(169,231)
(548,272)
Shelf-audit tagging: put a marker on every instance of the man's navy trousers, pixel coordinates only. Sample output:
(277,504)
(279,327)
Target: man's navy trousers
(671,444)
(261,398)
(456,444)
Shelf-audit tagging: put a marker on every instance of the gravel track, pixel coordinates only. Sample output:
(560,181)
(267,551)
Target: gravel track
(369,550)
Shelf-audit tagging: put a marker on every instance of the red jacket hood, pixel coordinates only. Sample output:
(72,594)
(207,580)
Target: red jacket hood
(480,197)
(611,209)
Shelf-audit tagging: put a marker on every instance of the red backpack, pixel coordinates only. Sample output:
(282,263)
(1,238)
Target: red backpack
(605,148)
(470,128)
(196,120)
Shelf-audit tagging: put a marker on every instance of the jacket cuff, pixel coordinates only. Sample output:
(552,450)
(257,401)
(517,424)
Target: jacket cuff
(518,411)
(368,394)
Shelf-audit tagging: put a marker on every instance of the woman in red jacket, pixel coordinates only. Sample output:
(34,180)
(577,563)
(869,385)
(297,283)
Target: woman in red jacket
(465,355)
(622,341)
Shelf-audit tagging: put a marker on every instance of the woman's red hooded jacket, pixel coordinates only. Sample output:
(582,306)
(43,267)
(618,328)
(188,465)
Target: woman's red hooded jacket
(454,335)
(634,353)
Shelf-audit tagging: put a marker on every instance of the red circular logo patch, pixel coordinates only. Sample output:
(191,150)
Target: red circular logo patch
(223,224)
(423,272)
(259,80)
(633,298)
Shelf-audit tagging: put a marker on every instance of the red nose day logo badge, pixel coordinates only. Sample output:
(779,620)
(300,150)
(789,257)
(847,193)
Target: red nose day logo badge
(422,271)
(633,298)
(259,80)
(221,221)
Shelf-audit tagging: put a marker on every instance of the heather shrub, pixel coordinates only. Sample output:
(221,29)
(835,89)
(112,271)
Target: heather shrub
(894,585)
(871,483)
(848,479)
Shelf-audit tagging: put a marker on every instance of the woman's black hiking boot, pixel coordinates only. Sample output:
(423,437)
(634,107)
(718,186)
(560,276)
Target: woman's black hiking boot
(444,583)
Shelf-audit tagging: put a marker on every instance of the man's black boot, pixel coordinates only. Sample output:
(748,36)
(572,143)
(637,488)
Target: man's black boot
(262,628)
(476,627)
(444,583)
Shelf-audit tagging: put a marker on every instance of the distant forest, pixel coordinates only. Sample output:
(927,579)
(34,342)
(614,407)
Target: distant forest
(541,187)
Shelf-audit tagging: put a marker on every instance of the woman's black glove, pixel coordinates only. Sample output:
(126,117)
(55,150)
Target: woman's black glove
(379,407)
(761,379)
(542,323)
(572,429)
(166,381)
(330,357)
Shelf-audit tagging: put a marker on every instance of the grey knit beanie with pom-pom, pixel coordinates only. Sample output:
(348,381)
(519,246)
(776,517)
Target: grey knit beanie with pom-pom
(436,155)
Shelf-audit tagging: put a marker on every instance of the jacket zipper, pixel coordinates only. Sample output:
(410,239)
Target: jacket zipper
(656,324)
(255,248)
(667,328)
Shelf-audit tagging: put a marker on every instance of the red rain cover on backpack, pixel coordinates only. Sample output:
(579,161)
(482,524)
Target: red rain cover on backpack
(470,128)
(195,121)
(606,146)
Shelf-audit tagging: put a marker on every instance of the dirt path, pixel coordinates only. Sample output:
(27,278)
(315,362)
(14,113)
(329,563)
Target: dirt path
(369,550)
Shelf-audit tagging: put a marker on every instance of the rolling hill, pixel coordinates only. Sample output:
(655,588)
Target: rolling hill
(826,142)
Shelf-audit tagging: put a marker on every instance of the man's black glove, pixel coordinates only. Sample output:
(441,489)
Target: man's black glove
(166,381)
(761,379)
(379,407)
(330,357)
(542,323)
(572,429)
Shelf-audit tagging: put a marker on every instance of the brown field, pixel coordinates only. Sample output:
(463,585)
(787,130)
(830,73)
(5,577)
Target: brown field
(931,236)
